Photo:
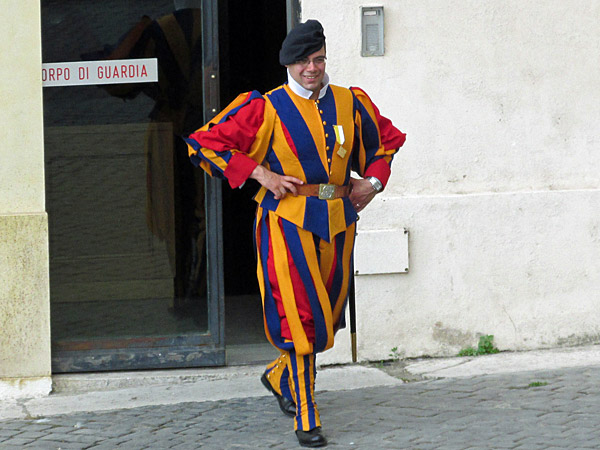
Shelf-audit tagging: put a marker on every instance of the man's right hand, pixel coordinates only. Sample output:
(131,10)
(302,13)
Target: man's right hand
(279,185)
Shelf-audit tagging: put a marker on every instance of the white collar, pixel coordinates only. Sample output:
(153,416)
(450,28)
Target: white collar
(305,93)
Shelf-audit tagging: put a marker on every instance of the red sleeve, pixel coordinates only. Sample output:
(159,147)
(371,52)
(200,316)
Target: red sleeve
(379,154)
(235,131)
(391,137)
(380,169)
(231,140)
(239,169)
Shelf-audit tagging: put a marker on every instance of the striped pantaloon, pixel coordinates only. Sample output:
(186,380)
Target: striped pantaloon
(304,283)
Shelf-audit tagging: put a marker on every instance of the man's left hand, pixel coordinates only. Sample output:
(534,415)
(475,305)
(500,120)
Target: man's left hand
(362,193)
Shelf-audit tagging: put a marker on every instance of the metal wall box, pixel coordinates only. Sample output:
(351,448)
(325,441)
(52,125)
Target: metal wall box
(371,18)
(381,252)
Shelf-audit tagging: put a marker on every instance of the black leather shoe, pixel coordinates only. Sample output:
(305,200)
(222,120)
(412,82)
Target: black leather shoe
(312,438)
(287,406)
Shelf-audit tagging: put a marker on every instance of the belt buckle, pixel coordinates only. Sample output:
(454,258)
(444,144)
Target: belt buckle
(326,191)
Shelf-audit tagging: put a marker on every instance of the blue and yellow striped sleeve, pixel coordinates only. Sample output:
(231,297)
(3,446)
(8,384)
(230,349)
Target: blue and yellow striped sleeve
(376,140)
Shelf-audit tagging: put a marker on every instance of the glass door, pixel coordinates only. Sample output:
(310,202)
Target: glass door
(135,248)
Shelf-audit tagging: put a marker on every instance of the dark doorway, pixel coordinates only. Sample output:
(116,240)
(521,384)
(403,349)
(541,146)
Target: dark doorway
(129,277)
(127,215)
(250,37)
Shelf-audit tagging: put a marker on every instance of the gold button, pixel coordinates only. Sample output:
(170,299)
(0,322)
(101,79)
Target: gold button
(326,135)
(324,123)
(321,111)
(327,148)
(328,159)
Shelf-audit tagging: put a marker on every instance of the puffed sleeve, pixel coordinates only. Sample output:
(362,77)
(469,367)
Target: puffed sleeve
(235,141)
(376,140)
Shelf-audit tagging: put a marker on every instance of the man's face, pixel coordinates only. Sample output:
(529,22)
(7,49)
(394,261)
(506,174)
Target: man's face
(310,71)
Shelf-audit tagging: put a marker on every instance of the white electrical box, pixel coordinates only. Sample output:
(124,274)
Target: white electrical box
(371,19)
(381,251)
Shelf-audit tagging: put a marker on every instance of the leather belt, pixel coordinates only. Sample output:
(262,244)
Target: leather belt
(323,191)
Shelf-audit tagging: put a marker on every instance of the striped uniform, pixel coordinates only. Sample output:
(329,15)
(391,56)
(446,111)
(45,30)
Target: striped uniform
(304,244)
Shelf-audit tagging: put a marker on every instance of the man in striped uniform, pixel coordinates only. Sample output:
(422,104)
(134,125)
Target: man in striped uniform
(300,141)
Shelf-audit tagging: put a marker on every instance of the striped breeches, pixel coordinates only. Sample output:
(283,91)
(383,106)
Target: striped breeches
(304,283)
(293,376)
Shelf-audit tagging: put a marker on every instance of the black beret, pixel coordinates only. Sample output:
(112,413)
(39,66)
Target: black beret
(304,39)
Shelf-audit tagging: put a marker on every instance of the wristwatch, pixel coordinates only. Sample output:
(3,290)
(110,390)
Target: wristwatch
(377,185)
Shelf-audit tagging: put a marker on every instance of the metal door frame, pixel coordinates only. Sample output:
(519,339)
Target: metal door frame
(293,13)
(202,349)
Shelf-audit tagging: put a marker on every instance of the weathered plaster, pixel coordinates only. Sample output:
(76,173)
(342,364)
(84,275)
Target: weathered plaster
(494,96)
(24,296)
(21,133)
(29,387)
(499,180)
(521,266)
(24,284)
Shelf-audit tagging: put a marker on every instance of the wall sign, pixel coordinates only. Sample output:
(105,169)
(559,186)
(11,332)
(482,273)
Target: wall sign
(82,73)
(381,251)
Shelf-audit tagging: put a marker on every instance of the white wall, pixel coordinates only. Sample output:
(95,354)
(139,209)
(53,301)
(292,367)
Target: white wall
(21,130)
(499,180)
(24,284)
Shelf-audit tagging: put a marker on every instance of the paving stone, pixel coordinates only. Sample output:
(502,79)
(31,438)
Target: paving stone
(17,441)
(9,432)
(499,412)
(32,435)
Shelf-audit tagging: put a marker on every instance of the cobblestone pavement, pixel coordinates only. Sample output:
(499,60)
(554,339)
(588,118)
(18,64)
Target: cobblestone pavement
(553,409)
